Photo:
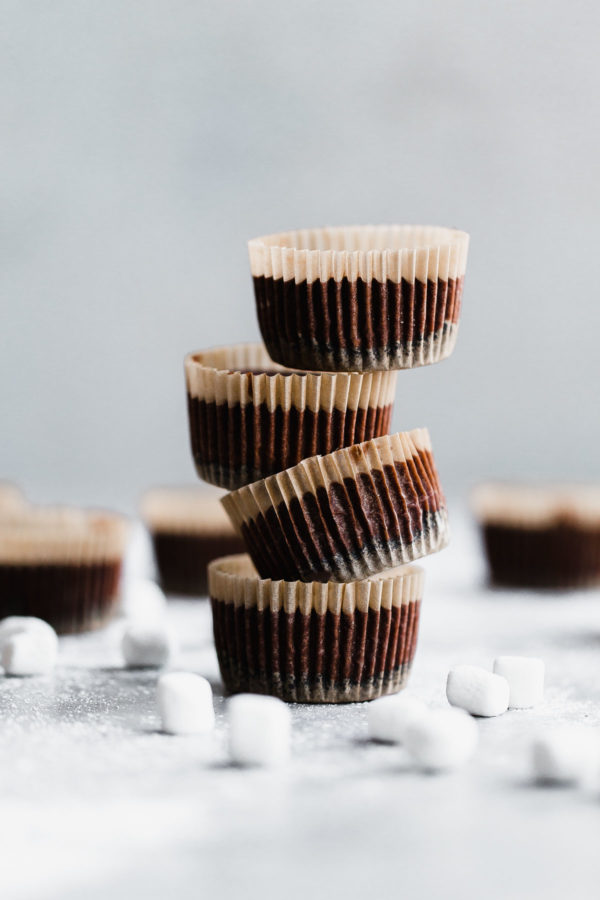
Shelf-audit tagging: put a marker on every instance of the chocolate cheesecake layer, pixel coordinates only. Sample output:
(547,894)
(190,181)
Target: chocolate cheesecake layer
(182,559)
(189,528)
(359,299)
(348,515)
(559,557)
(62,565)
(314,643)
(72,598)
(540,536)
(246,424)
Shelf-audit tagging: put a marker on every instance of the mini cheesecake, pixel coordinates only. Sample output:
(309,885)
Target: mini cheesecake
(250,417)
(348,515)
(189,528)
(540,536)
(62,565)
(314,643)
(360,298)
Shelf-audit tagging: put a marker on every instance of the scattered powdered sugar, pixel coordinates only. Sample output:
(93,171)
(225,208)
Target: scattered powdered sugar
(109,806)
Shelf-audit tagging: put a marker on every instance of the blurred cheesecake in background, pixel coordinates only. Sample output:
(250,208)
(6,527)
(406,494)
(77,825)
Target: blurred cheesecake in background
(61,564)
(540,536)
(189,528)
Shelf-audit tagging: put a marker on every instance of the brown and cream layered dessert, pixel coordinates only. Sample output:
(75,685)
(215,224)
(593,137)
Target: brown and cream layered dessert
(359,298)
(540,536)
(250,417)
(62,565)
(314,643)
(189,528)
(347,515)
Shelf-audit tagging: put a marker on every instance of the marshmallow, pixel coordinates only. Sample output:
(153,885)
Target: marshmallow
(478,691)
(566,755)
(442,739)
(28,646)
(525,676)
(143,600)
(388,717)
(147,645)
(185,703)
(259,730)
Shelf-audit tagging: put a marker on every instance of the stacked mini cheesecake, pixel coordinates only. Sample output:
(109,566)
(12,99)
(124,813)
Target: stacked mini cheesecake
(331,507)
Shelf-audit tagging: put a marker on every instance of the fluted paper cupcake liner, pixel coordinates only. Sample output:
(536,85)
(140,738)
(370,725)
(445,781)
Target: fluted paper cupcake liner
(540,536)
(12,500)
(347,515)
(359,298)
(314,643)
(63,566)
(250,418)
(188,528)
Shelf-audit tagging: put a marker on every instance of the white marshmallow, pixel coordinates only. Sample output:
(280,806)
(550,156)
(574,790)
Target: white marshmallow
(477,691)
(525,676)
(259,730)
(147,645)
(388,717)
(185,703)
(28,653)
(28,646)
(567,755)
(19,624)
(143,600)
(442,739)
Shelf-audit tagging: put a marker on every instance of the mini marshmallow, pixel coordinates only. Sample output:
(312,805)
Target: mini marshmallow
(147,645)
(28,646)
(185,703)
(388,717)
(28,653)
(18,624)
(443,739)
(566,755)
(525,676)
(477,691)
(259,730)
(143,600)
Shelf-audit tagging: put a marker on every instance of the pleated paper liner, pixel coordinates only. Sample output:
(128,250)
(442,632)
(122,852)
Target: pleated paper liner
(540,536)
(361,298)
(314,643)
(188,528)
(250,418)
(348,515)
(62,565)
(12,500)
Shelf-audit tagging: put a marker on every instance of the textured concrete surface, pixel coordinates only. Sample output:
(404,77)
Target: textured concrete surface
(97,803)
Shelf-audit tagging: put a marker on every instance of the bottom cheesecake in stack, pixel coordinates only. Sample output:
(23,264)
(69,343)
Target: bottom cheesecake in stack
(314,642)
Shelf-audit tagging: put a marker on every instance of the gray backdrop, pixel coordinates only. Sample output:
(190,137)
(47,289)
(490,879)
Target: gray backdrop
(145,142)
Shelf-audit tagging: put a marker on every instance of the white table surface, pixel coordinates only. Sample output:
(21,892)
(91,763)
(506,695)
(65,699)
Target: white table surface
(96,803)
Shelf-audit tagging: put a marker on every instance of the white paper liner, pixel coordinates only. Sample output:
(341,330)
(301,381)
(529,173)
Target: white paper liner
(233,579)
(45,535)
(537,505)
(214,376)
(380,252)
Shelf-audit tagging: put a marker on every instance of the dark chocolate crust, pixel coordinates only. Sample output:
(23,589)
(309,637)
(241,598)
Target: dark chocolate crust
(239,444)
(315,658)
(182,559)
(388,517)
(71,597)
(356,325)
(557,556)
